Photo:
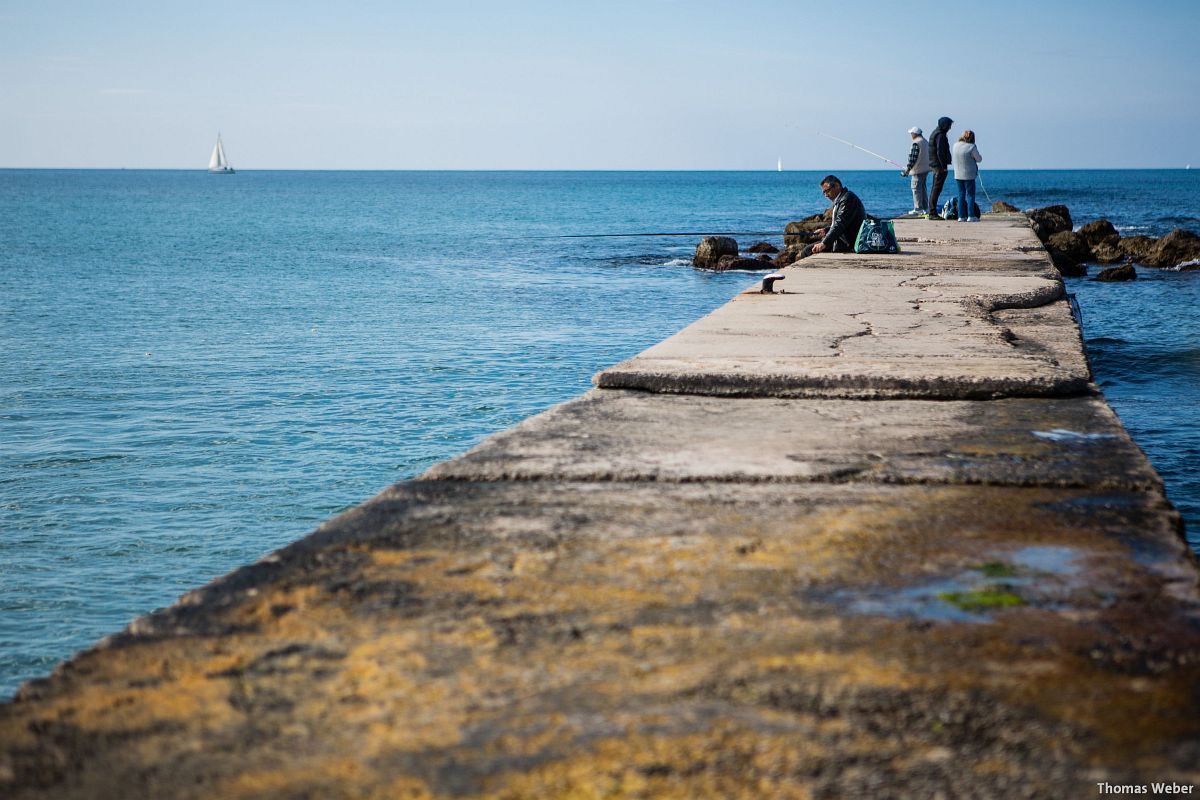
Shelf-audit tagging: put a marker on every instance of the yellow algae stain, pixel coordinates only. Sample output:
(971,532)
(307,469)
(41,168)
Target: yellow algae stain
(188,700)
(724,762)
(846,668)
(333,778)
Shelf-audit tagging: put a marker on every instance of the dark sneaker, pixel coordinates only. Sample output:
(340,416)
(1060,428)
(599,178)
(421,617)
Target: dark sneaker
(933,215)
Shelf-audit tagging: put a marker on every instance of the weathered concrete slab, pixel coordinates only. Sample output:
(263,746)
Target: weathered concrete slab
(825,344)
(881,332)
(690,640)
(617,435)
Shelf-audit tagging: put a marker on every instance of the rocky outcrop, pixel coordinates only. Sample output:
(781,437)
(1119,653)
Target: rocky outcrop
(1105,253)
(1099,232)
(800,232)
(726,263)
(1070,252)
(1125,272)
(1049,220)
(1135,247)
(1001,207)
(711,249)
(1100,242)
(1175,248)
(763,247)
(788,256)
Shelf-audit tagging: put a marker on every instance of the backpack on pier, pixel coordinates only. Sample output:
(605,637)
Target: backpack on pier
(876,236)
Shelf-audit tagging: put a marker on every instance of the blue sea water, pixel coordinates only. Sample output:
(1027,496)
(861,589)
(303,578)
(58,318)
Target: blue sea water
(200,369)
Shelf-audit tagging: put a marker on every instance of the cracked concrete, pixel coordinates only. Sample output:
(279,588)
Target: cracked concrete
(927,335)
(914,555)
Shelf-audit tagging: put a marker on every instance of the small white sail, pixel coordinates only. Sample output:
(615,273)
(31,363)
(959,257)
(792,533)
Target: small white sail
(218,163)
(779,165)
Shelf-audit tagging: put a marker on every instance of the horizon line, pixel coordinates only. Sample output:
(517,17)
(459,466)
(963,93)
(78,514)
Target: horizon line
(1186,168)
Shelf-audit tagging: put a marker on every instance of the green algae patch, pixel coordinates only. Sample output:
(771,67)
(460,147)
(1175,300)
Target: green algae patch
(978,601)
(996,569)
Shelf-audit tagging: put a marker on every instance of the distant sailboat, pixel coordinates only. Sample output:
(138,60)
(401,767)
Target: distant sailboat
(218,163)
(779,165)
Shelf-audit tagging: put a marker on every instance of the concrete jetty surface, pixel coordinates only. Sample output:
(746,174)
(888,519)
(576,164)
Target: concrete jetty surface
(878,536)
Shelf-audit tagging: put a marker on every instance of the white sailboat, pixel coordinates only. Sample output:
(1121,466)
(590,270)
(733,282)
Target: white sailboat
(218,163)
(779,165)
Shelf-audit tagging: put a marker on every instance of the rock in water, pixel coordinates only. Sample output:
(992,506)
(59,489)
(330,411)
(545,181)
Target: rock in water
(710,250)
(1105,253)
(799,232)
(1173,249)
(1001,207)
(788,256)
(734,262)
(763,247)
(1049,220)
(1069,252)
(1100,232)
(1136,247)
(1125,272)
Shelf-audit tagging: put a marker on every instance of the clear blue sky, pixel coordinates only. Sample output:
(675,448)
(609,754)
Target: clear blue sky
(641,84)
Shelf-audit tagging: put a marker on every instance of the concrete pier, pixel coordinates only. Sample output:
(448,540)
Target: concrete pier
(877,536)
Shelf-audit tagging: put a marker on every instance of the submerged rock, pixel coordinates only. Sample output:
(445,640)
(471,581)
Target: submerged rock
(725,263)
(1049,220)
(1125,272)
(1001,207)
(711,249)
(763,247)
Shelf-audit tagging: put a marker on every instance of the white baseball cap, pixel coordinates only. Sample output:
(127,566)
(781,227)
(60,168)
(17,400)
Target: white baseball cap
(915,131)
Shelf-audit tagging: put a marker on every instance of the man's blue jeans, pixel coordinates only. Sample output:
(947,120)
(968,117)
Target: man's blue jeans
(966,198)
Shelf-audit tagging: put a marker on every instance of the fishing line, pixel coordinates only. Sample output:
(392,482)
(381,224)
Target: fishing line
(613,235)
(981,186)
(865,150)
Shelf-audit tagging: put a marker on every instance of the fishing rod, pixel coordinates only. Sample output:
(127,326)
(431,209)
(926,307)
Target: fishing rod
(865,150)
(685,233)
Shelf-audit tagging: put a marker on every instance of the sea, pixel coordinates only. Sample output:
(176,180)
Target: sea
(199,369)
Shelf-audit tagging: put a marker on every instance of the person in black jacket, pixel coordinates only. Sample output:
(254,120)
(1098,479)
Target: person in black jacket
(939,162)
(848,215)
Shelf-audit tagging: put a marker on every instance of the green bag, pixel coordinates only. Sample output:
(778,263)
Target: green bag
(876,236)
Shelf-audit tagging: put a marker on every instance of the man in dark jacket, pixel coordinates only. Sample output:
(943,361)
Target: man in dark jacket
(939,162)
(848,215)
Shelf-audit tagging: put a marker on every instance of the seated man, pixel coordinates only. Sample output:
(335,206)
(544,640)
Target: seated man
(848,215)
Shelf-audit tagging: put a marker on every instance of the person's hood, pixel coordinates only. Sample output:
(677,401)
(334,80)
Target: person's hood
(944,124)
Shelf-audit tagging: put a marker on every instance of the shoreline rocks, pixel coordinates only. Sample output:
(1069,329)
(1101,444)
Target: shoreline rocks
(1099,242)
(712,249)
(1125,272)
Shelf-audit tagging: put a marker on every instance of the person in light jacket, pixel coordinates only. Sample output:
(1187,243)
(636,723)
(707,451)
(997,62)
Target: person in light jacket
(965,158)
(918,168)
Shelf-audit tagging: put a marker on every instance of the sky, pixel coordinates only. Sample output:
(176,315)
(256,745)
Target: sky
(645,84)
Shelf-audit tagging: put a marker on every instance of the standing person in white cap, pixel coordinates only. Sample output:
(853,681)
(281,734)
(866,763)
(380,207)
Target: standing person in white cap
(918,168)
